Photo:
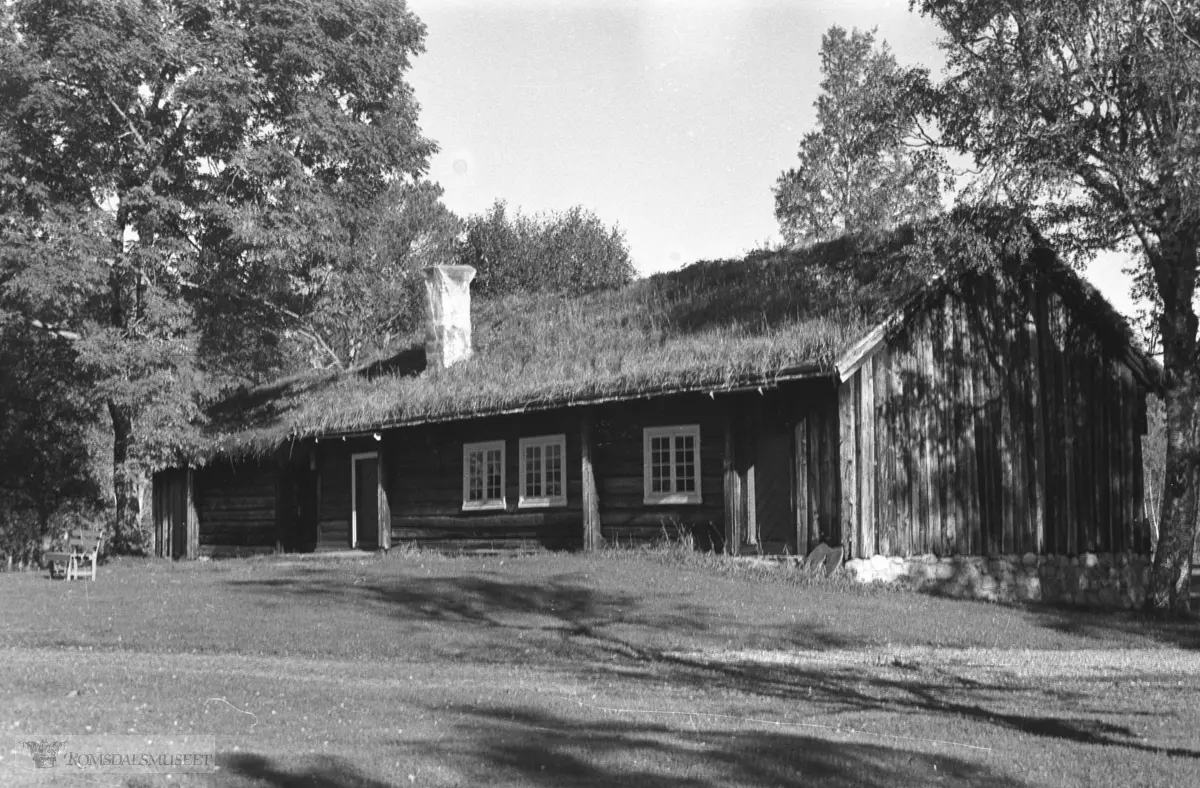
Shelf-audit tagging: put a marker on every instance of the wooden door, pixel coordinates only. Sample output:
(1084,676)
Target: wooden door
(308,485)
(364,531)
(773,489)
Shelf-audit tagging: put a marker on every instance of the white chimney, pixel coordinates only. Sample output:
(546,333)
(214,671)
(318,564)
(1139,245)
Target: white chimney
(448,318)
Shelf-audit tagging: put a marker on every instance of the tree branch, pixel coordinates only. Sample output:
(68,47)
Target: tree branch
(133,129)
(1176,23)
(301,326)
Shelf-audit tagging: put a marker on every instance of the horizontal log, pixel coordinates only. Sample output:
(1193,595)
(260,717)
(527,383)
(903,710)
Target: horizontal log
(218,550)
(488,521)
(472,545)
(454,508)
(211,503)
(658,520)
(234,492)
(240,539)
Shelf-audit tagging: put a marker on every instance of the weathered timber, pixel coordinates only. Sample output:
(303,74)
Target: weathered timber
(383,500)
(848,456)
(591,501)
(801,502)
(1037,424)
(867,445)
(732,483)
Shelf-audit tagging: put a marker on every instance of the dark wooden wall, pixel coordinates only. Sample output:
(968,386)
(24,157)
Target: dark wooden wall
(781,486)
(301,498)
(333,499)
(424,485)
(818,480)
(236,505)
(624,518)
(997,422)
(176,526)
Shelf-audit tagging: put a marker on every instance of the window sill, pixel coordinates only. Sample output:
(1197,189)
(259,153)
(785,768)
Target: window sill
(485,506)
(541,503)
(672,499)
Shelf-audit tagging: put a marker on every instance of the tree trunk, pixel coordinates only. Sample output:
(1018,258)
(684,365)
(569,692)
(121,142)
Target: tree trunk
(1170,579)
(126,535)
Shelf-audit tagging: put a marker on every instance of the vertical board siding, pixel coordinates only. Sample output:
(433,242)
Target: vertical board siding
(867,460)
(848,454)
(1001,424)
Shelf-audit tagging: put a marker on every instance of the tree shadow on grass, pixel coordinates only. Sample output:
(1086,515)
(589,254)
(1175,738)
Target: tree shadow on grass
(560,613)
(1129,629)
(564,625)
(926,692)
(317,772)
(543,749)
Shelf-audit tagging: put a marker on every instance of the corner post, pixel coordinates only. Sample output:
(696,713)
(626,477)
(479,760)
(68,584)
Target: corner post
(383,506)
(734,498)
(193,520)
(591,499)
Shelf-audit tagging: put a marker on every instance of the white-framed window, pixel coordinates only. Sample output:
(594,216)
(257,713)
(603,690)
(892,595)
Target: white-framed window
(483,475)
(671,464)
(543,471)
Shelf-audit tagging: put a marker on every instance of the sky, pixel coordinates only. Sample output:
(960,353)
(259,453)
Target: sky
(670,119)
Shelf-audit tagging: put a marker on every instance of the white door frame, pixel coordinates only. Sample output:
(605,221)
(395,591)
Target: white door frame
(354,458)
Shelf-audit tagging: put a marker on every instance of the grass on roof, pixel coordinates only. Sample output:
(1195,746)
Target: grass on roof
(712,324)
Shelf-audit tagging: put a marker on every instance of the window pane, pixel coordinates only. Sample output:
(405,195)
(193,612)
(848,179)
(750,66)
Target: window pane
(660,464)
(533,471)
(475,476)
(685,463)
(553,470)
(494,490)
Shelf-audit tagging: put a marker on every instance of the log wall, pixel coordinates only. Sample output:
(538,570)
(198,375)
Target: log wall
(624,517)
(424,484)
(996,423)
(236,506)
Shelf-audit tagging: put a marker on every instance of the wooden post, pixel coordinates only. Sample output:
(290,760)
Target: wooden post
(800,487)
(750,534)
(158,513)
(193,520)
(1037,385)
(591,500)
(866,460)
(383,506)
(734,505)
(847,455)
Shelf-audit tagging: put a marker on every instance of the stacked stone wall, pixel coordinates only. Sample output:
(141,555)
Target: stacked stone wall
(1104,580)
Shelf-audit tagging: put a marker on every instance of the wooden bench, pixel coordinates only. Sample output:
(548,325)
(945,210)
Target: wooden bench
(83,550)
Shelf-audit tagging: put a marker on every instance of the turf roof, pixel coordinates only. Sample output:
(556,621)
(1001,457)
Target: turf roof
(711,326)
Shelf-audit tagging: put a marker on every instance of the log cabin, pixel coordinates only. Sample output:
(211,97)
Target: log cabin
(841,394)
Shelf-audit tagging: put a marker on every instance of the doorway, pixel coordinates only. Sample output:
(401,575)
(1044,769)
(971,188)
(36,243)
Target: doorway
(364,503)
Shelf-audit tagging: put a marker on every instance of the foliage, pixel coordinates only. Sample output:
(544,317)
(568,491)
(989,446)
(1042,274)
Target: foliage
(348,306)
(569,252)
(859,171)
(1085,116)
(45,412)
(183,175)
(1154,456)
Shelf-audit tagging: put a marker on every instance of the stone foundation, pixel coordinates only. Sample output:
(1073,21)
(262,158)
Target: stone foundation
(1103,580)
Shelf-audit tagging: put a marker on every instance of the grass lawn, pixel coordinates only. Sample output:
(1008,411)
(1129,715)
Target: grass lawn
(620,668)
